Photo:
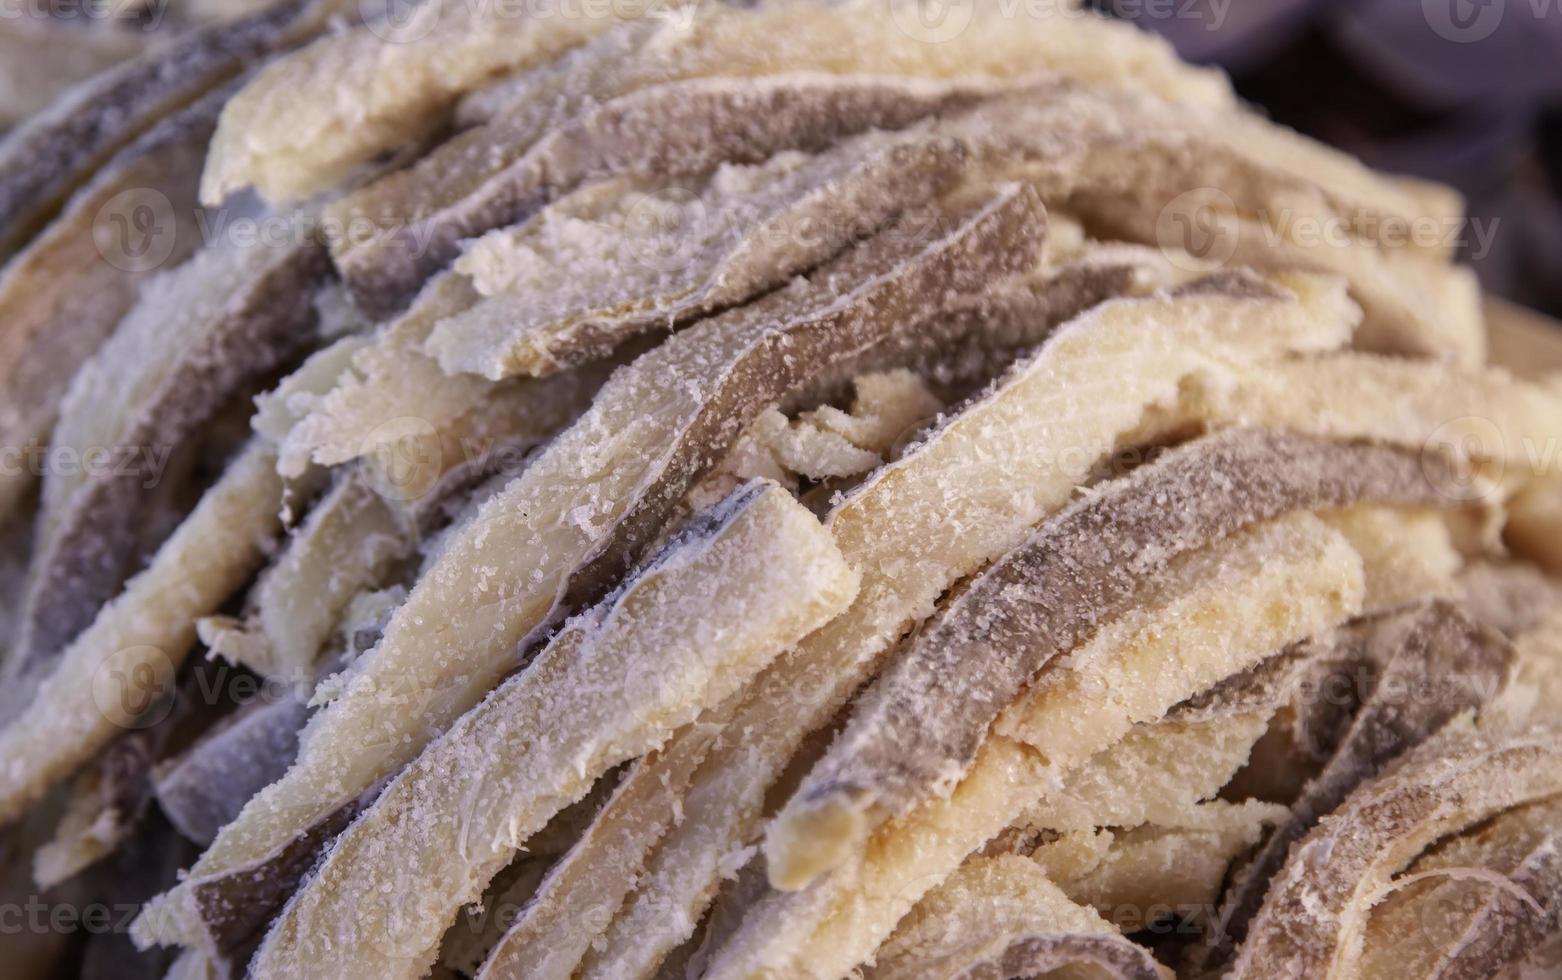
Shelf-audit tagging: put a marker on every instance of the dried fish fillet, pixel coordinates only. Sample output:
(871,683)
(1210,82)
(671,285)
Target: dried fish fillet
(1316,912)
(64,294)
(583,510)
(195,337)
(683,129)
(1145,876)
(403,416)
(1426,666)
(1409,553)
(392,82)
(918,728)
(682,250)
(1534,695)
(395,85)
(762,573)
(954,501)
(667,97)
(1474,903)
(110,673)
(1413,305)
(46,158)
(577,900)
(862,38)
(1158,771)
(1125,675)
(1000,917)
(825,929)
(1480,416)
(350,541)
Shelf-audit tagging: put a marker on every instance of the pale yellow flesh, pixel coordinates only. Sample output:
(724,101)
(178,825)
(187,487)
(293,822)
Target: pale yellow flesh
(614,684)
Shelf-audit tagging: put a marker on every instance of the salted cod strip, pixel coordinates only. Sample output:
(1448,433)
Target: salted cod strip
(1162,768)
(396,381)
(226,317)
(1142,877)
(1315,915)
(391,83)
(749,581)
(577,900)
(970,491)
(394,86)
(683,249)
(46,158)
(1413,305)
(925,706)
(101,681)
(397,378)
(1073,702)
(579,513)
(658,97)
(1474,903)
(845,911)
(370,522)
(1317,583)
(1426,665)
(998,917)
(683,129)
(60,297)
(570,923)
(1083,146)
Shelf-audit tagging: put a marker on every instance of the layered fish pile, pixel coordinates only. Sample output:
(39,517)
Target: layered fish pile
(771,490)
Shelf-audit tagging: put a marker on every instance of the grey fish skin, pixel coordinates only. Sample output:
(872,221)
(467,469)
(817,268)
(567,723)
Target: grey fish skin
(91,551)
(919,727)
(1428,664)
(45,159)
(681,128)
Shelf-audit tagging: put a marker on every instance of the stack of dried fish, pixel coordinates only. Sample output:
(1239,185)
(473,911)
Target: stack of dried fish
(795,489)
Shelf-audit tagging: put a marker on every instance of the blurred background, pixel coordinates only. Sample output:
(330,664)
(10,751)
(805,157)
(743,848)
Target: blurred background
(1467,92)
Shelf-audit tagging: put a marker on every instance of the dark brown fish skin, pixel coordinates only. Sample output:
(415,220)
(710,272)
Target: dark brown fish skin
(925,717)
(1424,665)
(1455,780)
(910,275)
(680,128)
(93,548)
(237,908)
(46,159)
(863,302)
(46,343)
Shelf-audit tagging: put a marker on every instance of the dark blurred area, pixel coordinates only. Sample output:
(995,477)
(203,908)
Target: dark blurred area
(1466,92)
